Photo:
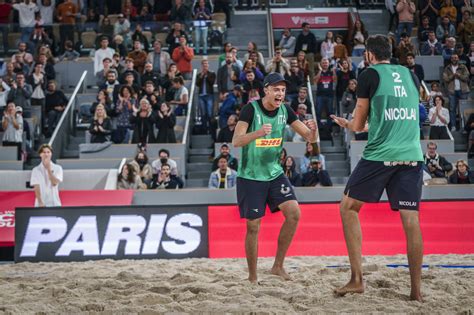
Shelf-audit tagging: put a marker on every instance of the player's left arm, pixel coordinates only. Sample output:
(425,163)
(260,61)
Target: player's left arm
(357,124)
(308,130)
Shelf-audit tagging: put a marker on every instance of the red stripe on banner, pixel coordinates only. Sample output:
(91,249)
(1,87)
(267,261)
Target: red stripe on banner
(9,200)
(316,20)
(447,228)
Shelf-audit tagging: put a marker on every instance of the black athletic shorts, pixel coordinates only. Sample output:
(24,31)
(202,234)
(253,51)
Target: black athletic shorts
(402,182)
(253,195)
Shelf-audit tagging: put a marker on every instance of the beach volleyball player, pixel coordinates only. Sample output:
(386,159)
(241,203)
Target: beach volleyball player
(260,179)
(388,96)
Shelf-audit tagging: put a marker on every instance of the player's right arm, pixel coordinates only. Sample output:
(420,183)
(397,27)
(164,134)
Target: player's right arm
(242,138)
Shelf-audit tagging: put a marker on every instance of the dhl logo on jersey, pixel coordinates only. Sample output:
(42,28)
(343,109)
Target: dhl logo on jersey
(275,142)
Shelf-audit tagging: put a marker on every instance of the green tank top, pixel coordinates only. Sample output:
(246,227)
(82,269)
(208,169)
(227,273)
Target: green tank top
(260,159)
(394,130)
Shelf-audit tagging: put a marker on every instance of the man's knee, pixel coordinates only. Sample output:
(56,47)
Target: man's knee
(253,226)
(349,205)
(410,218)
(291,211)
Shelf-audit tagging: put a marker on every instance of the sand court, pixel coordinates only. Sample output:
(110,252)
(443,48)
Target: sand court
(219,286)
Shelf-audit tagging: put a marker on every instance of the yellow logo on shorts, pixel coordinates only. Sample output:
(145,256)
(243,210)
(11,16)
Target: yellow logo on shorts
(275,142)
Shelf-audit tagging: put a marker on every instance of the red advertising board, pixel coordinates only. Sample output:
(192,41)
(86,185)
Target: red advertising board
(293,18)
(447,227)
(9,200)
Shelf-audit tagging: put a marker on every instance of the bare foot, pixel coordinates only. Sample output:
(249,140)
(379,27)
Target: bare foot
(351,287)
(277,271)
(416,297)
(252,280)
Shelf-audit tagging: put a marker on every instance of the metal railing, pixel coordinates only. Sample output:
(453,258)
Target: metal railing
(311,99)
(189,112)
(271,42)
(60,137)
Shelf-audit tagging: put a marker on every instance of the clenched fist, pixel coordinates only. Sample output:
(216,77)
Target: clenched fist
(265,130)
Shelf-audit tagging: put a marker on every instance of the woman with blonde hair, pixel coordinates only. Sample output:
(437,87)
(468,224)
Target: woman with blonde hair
(143,120)
(101,127)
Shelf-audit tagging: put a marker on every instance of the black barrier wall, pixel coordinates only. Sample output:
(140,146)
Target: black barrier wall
(92,233)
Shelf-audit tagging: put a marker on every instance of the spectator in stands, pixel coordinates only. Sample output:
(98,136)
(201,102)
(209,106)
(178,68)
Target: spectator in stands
(4,89)
(164,158)
(349,98)
(456,78)
(20,65)
(415,68)
(469,129)
(180,13)
(463,58)
(229,106)
(291,172)
(101,127)
(143,168)
(167,82)
(287,43)
(20,92)
(106,28)
(150,76)
(439,120)
(37,80)
(252,89)
(173,37)
(45,179)
(55,104)
(359,36)
(12,125)
(424,29)
(250,65)
(100,54)
(26,13)
(278,63)
(164,179)
(435,90)
(124,108)
(465,29)
(145,17)
(101,76)
(303,64)
(227,76)
(301,99)
(235,59)
(112,86)
(103,98)
(69,53)
(224,177)
(202,18)
(119,46)
(432,47)
(406,12)
(143,121)
(165,122)
(448,50)
(39,38)
(130,69)
(405,47)
(344,75)
(181,97)
(312,151)
(160,59)
(129,179)
(162,9)
(66,14)
(252,47)
(327,46)
(151,94)
(436,165)
(205,83)
(462,174)
(138,55)
(183,56)
(445,30)
(232,162)
(23,52)
(306,42)
(430,9)
(122,27)
(340,50)
(295,79)
(316,176)
(5,10)
(227,133)
(325,80)
(449,10)
(10,75)
(227,47)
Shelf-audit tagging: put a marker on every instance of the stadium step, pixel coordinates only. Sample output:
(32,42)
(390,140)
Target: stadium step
(338,149)
(244,29)
(197,183)
(199,158)
(198,175)
(193,167)
(338,180)
(70,154)
(338,172)
(201,141)
(336,165)
(201,152)
(335,156)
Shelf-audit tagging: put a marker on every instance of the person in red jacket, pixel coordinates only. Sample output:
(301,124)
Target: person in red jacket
(183,55)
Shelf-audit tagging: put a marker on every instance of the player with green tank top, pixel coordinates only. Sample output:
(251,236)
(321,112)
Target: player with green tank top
(260,179)
(260,159)
(394,117)
(388,98)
